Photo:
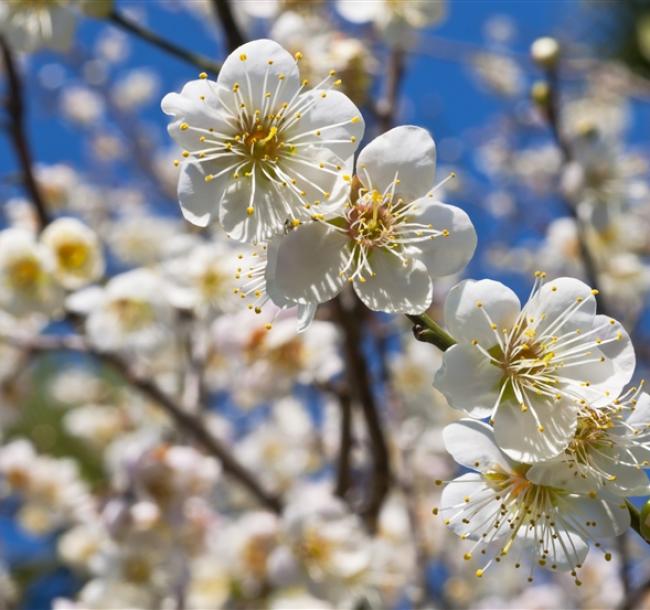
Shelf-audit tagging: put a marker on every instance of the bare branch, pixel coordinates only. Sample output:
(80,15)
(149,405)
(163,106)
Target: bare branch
(16,128)
(191,424)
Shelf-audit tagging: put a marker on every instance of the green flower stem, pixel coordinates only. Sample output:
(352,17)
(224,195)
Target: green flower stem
(426,329)
(132,27)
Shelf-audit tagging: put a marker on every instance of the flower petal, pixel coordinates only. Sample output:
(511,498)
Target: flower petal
(467,322)
(305,265)
(444,255)
(528,439)
(468,380)
(555,298)
(331,119)
(259,67)
(395,288)
(471,443)
(407,153)
(199,199)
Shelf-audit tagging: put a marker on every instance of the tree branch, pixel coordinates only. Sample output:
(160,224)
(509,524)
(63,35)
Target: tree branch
(553,117)
(16,127)
(189,57)
(189,423)
(359,383)
(231,31)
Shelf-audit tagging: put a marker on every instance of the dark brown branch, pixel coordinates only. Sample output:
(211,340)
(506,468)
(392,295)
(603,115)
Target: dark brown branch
(344,466)
(359,382)
(231,31)
(189,423)
(136,29)
(16,128)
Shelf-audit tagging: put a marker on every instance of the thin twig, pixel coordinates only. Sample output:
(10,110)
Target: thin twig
(231,31)
(189,423)
(386,109)
(360,384)
(132,27)
(16,127)
(553,118)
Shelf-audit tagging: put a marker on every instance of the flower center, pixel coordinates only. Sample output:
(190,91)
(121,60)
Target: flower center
(133,314)
(25,273)
(72,256)
(262,143)
(371,220)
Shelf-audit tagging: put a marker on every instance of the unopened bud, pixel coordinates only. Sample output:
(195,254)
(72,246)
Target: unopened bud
(545,51)
(540,93)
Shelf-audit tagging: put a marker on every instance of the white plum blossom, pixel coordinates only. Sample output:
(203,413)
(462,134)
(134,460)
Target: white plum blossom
(77,252)
(539,512)
(530,369)
(29,25)
(260,148)
(390,241)
(133,312)
(27,283)
(394,20)
(611,446)
(326,547)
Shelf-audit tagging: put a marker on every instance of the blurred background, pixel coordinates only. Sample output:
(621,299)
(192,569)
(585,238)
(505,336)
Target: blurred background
(132,510)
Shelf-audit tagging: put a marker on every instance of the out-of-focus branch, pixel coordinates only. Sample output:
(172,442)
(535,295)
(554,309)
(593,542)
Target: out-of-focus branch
(344,465)
(552,108)
(387,107)
(234,37)
(16,127)
(136,29)
(189,423)
(359,382)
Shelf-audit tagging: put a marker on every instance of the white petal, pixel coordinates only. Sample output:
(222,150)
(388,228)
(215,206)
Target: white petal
(555,297)
(630,480)
(566,551)
(454,505)
(360,11)
(256,63)
(607,515)
(332,117)
(471,443)
(199,199)
(395,288)
(407,153)
(468,380)
(304,266)
(518,434)
(444,255)
(86,300)
(306,315)
(467,322)
(559,474)
(620,351)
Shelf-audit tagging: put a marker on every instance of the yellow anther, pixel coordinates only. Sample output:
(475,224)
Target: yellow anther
(298,55)
(203,75)
(250,211)
(184,126)
(243,57)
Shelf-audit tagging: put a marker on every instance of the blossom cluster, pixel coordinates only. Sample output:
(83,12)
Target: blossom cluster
(211,407)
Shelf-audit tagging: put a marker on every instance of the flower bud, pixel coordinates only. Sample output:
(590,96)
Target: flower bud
(540,93)
(545,51)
